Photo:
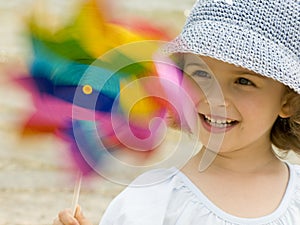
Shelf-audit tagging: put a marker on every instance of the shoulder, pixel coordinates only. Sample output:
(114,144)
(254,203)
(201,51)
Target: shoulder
(149,186)
(294,184)
(145,199)
(154,177)
(295,169)
(293,196)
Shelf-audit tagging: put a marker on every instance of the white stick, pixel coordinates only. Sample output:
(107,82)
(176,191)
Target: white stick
(76,193)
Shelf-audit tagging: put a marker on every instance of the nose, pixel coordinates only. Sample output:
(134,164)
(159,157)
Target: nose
(217,102)
(215,95)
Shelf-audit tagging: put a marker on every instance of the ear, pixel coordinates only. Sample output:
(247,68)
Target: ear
(286,108)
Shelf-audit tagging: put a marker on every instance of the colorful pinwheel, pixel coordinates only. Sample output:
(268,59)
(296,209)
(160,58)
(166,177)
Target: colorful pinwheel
(80,79)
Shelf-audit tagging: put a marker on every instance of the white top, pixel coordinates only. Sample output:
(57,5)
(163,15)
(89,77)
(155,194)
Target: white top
(175,200)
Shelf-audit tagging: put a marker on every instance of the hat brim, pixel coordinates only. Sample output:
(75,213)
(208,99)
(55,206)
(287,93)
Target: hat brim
(241,47)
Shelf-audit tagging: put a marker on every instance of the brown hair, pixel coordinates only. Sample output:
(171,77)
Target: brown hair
(285,133)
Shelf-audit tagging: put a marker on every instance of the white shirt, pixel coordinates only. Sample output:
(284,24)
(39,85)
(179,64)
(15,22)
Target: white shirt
(175,200)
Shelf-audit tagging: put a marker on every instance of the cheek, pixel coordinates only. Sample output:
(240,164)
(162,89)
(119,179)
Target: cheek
(192,89)
(258,111)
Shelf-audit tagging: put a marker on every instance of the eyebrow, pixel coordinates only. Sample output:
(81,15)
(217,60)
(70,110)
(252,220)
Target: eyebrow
(239,70)
(248,72)
(196,64)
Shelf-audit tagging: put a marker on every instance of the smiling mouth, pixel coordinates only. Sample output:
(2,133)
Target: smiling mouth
(219,123)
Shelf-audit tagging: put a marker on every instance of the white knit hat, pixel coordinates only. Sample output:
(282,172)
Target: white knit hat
(259,35)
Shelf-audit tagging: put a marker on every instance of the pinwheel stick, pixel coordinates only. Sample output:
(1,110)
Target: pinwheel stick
(76,192)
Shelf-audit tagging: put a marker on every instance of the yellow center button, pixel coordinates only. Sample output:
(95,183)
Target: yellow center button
(87,89)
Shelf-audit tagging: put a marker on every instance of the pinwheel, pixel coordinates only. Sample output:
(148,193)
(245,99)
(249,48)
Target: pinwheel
(78,72)
(90,85)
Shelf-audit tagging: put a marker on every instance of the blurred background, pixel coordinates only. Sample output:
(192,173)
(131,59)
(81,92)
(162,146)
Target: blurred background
(35,179)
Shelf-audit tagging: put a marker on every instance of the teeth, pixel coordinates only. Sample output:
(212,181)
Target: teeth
(218,123)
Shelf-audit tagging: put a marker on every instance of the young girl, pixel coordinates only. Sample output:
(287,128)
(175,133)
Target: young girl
(249,52)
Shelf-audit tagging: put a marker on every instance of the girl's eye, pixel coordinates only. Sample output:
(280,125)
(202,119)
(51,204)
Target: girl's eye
(244,81)
(200,74)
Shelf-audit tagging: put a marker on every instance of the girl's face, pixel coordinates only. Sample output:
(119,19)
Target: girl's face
(234,104)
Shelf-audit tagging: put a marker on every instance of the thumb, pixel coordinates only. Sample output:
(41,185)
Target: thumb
(80,217)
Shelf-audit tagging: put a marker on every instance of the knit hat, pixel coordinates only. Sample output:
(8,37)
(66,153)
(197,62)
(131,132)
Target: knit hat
(260,35)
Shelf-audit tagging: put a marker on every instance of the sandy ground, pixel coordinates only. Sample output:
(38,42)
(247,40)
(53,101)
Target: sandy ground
(34,186)
(35,179)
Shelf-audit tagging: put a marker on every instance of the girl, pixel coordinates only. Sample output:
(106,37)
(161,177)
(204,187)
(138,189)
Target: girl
(241,64)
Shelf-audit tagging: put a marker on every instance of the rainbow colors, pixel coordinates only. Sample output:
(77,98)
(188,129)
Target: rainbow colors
(86,84)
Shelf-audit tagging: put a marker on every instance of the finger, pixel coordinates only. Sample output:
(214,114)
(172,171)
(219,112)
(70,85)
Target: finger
(78,212)
(66,218)
(80,217)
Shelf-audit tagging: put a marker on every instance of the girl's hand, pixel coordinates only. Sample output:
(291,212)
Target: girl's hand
(65,217)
